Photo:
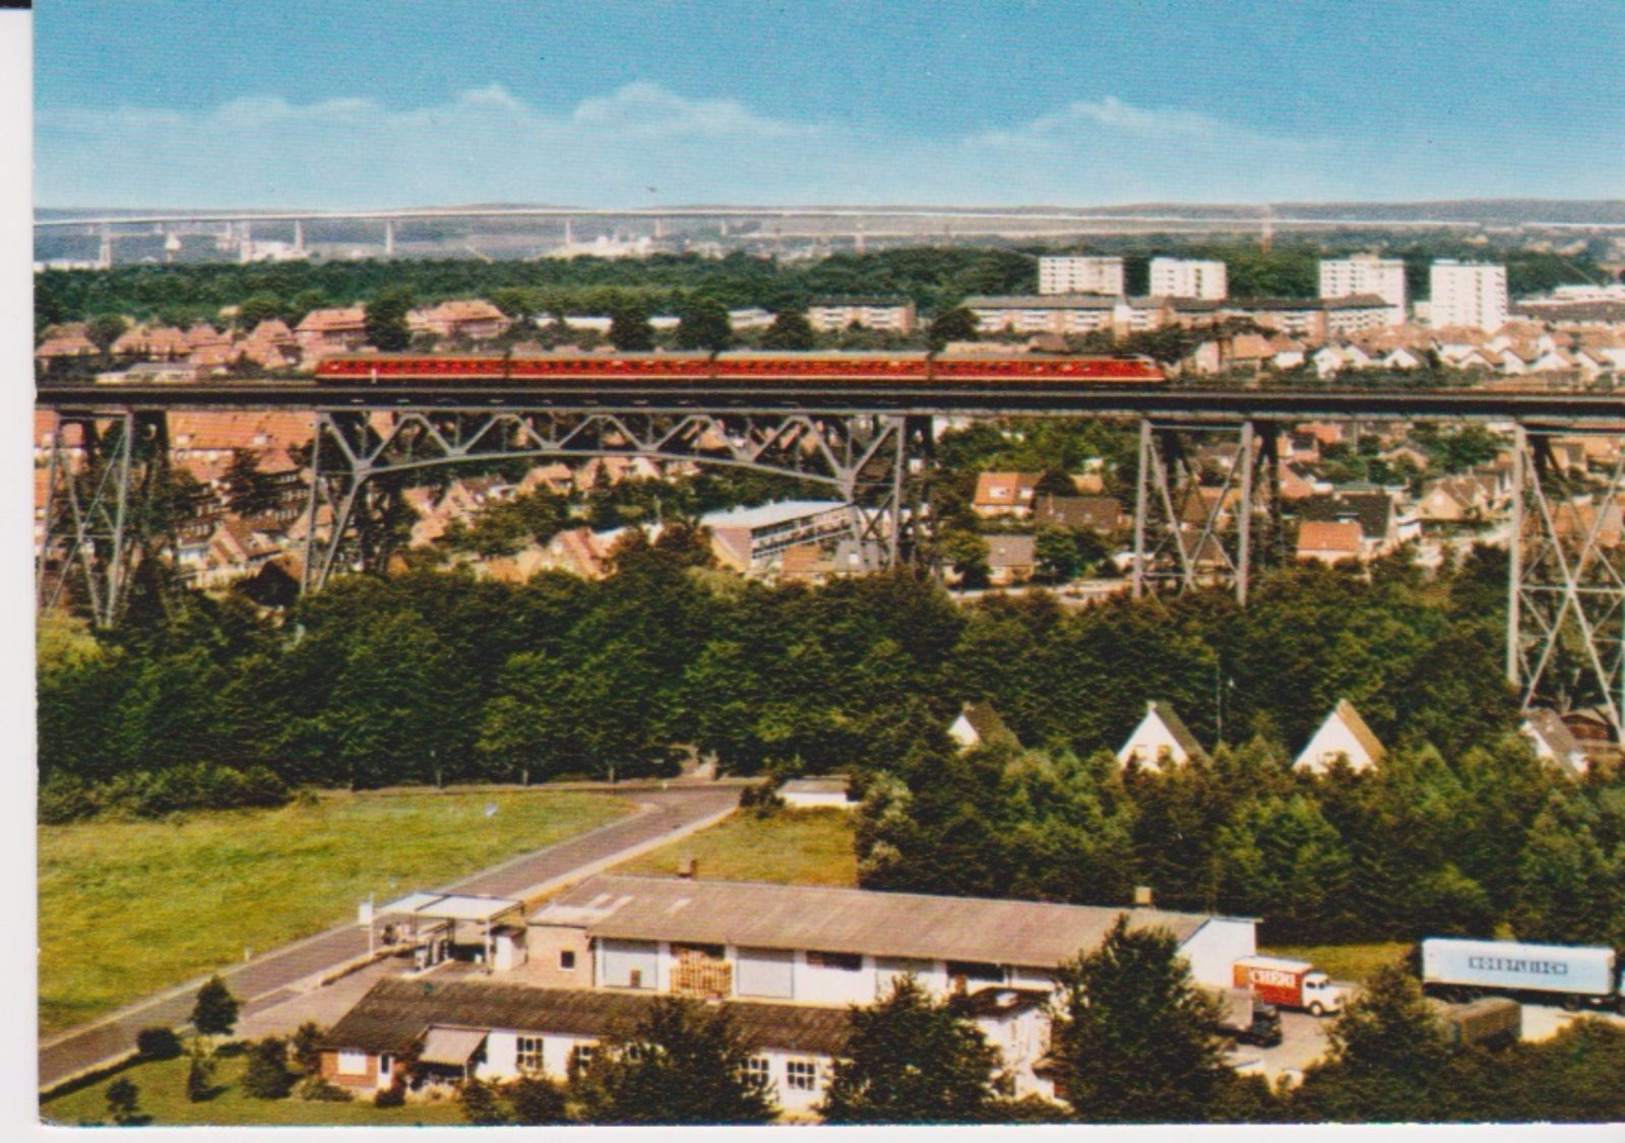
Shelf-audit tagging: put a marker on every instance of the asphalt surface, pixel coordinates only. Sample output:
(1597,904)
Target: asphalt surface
(271,978)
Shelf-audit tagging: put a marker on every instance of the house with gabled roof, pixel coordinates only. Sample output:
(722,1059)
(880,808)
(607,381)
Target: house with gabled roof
(1554,742)
(1001,493)
(1161,739)
(979,724)
(1343,735)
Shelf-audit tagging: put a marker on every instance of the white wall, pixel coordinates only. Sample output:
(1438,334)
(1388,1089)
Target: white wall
(1150,740)
(1333,738)
(1214,949)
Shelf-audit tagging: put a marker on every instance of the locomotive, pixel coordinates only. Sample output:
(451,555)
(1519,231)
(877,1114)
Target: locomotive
(745,368)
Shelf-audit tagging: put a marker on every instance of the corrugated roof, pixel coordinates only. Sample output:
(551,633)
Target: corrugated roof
(762,915)
(395,1013)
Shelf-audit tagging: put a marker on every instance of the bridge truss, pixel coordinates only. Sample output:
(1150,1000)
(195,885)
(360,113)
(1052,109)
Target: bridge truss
(1197,524)
(876,463)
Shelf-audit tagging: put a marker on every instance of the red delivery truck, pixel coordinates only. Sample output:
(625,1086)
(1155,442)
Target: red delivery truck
(1290,984)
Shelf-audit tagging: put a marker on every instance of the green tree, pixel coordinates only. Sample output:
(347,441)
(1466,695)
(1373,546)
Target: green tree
(259,307)
(790,331)
(704,324)
(537,1102)
(249,491)
(629,328)
(104,329)
(955,325)
(215,1011)
(682,1064)
(1056,553)
(386,324)
(200,1077)
(1133,1038)
(968,555)
(124,1101)
(1387,1054)
(483,1105)
(910,1059)
(306,1047)
(267,1075)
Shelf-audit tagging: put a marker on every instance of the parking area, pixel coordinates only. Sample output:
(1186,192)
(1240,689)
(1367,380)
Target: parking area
(1303,1041)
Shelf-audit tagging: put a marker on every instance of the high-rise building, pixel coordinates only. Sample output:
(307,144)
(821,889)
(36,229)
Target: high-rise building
(1183,278)
(1366,274)
(1468,294)
(1072,274)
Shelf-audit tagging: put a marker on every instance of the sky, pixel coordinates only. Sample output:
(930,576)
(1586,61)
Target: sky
(343,104)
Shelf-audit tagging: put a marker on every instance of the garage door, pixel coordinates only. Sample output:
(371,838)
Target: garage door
(766,972)
(630,964)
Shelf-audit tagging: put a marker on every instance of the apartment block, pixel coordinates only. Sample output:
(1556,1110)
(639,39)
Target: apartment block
(1185,278)
(1468,294)
(1366,274)
(1074,274)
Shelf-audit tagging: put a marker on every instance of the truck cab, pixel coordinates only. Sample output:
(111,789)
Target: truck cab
(1322,995)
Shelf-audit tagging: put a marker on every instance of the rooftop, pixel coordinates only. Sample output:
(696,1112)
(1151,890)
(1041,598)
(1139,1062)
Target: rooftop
(761,915)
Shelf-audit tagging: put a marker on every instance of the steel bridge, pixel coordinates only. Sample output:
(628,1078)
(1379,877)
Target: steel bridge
(871,444)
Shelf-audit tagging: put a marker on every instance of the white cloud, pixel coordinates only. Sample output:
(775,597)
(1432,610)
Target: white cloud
(487,144)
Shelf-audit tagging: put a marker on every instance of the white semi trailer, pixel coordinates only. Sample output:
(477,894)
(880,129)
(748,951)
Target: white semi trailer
(1570,975)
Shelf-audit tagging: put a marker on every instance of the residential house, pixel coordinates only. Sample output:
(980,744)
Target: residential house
(1005,493)
(1329,541)
(339,330)
(1100,514)
(1011,558)
(833,791)
(979,724)
(1161,739)
(1344,735)
(1382,529)
(475,320)
(1554,742)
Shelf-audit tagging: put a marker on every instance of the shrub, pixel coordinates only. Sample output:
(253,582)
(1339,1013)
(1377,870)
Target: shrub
(392,1096)
(267,1075)
(306,1048)
(123,1100)
(215,1013)
(200,1079)
(63,800)
(319,1090)
(158,1043)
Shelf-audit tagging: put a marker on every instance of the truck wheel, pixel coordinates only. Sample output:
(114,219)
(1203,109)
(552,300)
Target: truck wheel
(1316,1009)
(1571,1003)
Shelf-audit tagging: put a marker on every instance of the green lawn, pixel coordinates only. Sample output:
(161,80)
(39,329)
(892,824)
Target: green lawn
(162,1095)
(807,847)
(1344,962)
(130,908)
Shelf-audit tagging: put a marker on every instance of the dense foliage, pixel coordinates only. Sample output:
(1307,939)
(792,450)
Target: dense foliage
(912,1059)
(432,677)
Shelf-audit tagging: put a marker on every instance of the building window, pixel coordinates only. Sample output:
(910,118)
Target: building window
(567,960)
(581,1057)
(801,1075)
(976,972)
(845,962)
(352,1063)
(529,1054)
(759,1067)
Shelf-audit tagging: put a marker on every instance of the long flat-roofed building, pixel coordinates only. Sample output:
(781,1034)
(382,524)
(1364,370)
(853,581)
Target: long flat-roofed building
(1366,274)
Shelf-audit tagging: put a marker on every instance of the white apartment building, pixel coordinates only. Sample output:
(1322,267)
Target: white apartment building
(889,314)
(1468,294)
(1185,278)
(1366,274)
(1074,274)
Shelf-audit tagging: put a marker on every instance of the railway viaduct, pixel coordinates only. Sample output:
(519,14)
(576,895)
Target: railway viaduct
(871,444)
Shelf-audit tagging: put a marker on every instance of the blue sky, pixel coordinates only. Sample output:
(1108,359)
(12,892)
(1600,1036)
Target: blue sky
(339,103)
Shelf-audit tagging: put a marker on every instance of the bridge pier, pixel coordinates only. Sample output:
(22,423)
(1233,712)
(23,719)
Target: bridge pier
(104,512)
(1194,517)
(1565,626)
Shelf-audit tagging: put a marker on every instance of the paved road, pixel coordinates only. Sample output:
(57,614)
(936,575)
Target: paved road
(268,979)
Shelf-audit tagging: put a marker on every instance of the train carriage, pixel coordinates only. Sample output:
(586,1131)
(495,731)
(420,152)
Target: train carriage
(747,368)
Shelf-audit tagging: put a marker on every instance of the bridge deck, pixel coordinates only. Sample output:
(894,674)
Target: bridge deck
(834,398)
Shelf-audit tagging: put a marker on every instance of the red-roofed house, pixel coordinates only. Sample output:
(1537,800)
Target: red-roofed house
(1329,540)
(999,493)
(476,320)
(332,331)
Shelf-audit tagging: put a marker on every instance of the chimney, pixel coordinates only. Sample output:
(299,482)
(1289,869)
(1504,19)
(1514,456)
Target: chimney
(1142,896)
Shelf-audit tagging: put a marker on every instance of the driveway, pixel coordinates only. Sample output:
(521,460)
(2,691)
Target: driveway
(284,973)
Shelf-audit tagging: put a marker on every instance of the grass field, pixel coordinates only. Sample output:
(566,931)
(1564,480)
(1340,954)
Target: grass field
(162,1095)
(1344,962)
(129,908)
(807,847)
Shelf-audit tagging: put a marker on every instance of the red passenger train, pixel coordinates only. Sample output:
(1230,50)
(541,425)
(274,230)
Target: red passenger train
(744,368)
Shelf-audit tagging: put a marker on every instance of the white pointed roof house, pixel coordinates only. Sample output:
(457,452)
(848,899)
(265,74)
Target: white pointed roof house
(1344,734)
(1161,739)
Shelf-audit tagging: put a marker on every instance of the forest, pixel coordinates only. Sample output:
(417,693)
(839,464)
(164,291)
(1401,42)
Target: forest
(936,278)
(435,677)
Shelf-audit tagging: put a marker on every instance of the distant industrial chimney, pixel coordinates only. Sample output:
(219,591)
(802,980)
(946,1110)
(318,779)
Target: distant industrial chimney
(1142,896)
